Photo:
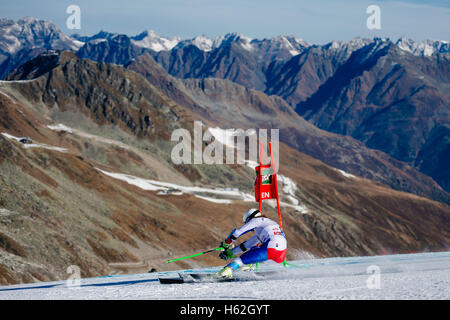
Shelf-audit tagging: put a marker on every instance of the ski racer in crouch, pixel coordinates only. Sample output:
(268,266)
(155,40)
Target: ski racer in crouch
(268,242)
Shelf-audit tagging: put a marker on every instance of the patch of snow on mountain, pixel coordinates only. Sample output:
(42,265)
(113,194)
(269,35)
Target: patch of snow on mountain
(60,127)
(33,145)
(289,187)
(246,43)
(5,212)
(428,50)
(229,137)
(287,190)
(346,174)
(223,195)
(286,44)
(203,43)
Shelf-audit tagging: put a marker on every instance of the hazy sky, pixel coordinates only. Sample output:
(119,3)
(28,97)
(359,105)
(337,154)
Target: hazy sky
(316,21)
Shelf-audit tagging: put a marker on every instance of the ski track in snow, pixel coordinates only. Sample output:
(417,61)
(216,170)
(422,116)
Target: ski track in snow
(408,276)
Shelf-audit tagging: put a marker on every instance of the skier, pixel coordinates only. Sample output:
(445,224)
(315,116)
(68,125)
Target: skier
(268,242)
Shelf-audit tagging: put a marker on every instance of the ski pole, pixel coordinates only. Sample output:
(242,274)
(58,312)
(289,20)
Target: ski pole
(287,264)
(195,255)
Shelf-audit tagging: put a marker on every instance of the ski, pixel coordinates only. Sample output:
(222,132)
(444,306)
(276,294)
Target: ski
(211,277)
(164,280)
(190,278)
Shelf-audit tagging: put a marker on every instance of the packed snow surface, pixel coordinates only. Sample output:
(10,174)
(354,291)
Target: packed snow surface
(407,276)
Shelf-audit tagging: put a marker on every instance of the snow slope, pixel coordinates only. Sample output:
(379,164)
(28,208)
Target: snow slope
(408,276)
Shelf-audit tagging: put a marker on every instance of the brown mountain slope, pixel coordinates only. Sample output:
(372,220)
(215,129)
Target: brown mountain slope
(392,101)
(230,105)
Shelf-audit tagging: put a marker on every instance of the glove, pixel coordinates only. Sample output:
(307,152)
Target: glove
(224,245)
(227,254)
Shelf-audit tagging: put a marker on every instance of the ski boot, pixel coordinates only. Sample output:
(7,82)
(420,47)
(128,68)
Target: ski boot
(248,267)
(225,273)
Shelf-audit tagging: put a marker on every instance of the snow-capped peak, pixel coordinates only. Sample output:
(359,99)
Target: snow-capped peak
(233,37)
(246,42)
(416,48)
(206,44)
(425,48)
(203,43)
(353,44)
(291,44)
(30,32)
(151,40)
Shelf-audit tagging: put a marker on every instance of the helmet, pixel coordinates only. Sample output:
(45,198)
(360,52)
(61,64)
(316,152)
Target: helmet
(250,214)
